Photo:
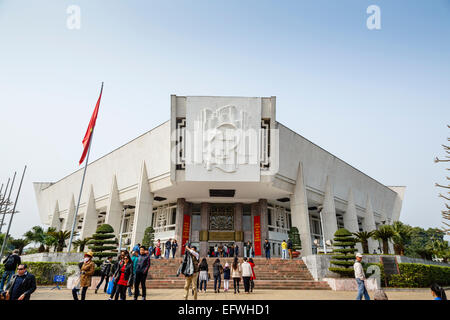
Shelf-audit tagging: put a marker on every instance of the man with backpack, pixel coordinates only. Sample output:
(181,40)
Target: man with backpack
(10,263)
(105,271)
(143,264)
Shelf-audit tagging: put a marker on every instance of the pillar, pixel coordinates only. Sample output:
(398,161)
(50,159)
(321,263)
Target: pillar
(329,212)
(203,235)
(238,227)
(182,209)
(144,208)
(264,221)
(351,217)
(300,213)
(369,225)
(115,210)
(90,216)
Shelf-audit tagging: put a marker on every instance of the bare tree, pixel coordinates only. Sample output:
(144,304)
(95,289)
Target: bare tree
(446,196)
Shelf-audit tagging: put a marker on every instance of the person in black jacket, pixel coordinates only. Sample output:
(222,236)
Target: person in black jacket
(105,272)
(22,284)
(289,246)
(10,263)
(122,277)
(142,267)
(267,249)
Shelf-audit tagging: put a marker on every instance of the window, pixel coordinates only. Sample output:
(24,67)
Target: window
(247,222)
(174,216)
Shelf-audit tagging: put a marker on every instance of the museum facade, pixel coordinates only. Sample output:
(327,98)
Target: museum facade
(222,170)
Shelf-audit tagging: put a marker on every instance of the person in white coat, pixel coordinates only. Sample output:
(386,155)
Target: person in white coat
(246,275)
(236,274)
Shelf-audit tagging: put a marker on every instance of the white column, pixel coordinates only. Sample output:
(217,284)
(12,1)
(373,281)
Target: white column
(55,223)
(300,213)
(351,218)
(329,212)
(114,210)
(144,208)
(70,213)
(90,216)
(369,225)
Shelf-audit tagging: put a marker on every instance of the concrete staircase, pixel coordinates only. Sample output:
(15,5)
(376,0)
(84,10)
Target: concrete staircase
(270,274)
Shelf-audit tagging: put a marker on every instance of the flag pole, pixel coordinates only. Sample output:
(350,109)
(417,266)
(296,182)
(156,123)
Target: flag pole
(5,240)
(81,188)
(6,204)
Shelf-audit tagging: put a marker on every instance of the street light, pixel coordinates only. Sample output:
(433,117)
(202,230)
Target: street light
(319,208)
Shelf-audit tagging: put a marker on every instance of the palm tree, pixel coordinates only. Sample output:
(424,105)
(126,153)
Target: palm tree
(363,237)
(80,243)
(60,238)
(402,237)
(384,233)
(36,235)
(19,244)
(441,249)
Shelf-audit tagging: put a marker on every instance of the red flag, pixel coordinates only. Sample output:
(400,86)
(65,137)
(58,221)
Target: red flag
(87,137)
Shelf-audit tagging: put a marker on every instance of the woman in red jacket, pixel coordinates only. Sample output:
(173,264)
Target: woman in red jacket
(252,283)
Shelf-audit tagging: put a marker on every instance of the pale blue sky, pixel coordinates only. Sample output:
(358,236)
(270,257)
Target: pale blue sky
(377,99)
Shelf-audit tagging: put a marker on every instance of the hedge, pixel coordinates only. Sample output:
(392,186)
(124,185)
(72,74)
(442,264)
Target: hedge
(418,275)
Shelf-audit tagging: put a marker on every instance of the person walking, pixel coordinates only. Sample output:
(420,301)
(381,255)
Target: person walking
(105,272)
(360,277)
(284,250)
(10,264)
(216,251)
(267,249)
(141,272)
(168,246)
(246,275)
(236,251)
(158,249)
(114,269)
(252,282)
(225,250)
(192,279)
(217,271)
(134,260)
(231,251)
(236,274)
(122,277)
(203,276)
(174,248)
(438,292)
(226,277)
(87,271)
(289,247)
(22,284)
(76,284)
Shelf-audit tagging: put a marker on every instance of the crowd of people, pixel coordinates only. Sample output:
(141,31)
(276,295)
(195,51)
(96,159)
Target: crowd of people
(130,271)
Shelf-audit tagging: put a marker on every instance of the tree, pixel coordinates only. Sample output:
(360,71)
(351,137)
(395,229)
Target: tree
(19,244)
(401,237)
(149,237)
(294,235)
(103,243)
(36,235)
(363,237)
(445,213)
(60,237)
(80,243)
(441,250)
(384,233)
(420,244)
(344,260)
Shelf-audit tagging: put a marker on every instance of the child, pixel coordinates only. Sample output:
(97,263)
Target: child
(226,277)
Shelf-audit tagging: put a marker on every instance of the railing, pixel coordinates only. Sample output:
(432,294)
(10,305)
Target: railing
(277,229)
(165,228)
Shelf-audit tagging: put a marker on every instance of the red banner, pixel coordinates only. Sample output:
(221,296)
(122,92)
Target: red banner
(186,228)
(257,235)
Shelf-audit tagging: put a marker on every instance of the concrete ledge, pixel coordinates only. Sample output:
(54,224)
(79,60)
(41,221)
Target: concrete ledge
(63,257)
(349,284)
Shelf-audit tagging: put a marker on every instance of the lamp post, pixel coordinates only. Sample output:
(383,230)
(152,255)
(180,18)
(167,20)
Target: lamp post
(323,233)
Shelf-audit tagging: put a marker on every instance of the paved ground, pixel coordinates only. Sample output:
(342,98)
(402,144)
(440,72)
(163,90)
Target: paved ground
(45,293)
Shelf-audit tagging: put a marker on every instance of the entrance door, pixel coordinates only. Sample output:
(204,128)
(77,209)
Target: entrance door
(221,246)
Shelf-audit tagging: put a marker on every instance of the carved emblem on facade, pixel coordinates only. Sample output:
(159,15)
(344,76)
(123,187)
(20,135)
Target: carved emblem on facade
(223,135)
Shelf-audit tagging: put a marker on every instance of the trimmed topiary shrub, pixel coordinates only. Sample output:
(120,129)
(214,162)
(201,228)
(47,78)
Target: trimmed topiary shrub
(103,243)
(149,237)
(294,235)
(344,260)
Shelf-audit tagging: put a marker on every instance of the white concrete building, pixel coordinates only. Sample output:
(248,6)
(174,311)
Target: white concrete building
(222,170)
